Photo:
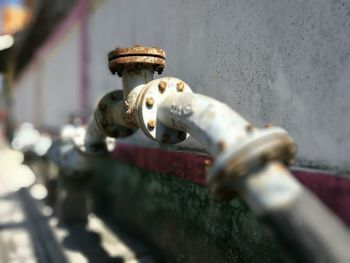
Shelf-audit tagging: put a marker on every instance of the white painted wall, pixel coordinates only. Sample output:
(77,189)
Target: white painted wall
(49,91)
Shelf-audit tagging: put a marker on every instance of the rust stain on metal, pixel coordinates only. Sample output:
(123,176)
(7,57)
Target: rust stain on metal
(271,155)
(137,50)
(136,56)
(104,123)
(221,146)
(249,128)
(207,163)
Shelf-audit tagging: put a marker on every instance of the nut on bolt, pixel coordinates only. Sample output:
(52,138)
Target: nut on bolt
(162,86)
(180,86)
(149,102)
(151,124)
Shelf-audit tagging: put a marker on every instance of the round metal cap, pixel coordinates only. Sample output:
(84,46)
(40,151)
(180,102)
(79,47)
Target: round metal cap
(121,57)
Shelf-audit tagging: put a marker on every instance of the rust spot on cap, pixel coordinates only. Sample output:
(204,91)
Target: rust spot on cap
(137,50)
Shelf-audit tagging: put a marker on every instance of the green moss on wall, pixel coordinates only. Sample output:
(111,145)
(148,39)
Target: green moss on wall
(181,218)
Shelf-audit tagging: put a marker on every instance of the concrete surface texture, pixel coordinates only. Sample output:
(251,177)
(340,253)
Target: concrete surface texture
(281,62)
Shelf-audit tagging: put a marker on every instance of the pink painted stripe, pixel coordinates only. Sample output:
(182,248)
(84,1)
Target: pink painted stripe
(332,189)
(185,165)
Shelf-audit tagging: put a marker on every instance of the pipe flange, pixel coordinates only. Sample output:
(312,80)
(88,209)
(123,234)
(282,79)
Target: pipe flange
(271,144)
(122,57)
(105,119)
(153,95)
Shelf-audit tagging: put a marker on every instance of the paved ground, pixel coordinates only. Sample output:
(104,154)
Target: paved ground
(29,232)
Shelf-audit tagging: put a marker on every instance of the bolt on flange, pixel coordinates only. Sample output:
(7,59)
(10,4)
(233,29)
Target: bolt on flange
(136,55)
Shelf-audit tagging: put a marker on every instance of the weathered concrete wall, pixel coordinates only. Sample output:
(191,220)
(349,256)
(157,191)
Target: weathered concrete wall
(284,62)
(48,91)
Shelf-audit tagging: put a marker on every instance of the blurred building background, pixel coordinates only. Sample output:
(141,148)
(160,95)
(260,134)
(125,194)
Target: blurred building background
(281,62)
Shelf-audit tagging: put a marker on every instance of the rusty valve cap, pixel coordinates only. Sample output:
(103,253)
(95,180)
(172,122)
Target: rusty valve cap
(136,56)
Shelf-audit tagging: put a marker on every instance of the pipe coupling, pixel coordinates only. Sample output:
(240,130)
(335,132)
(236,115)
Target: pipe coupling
(261,146)
(149,100)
